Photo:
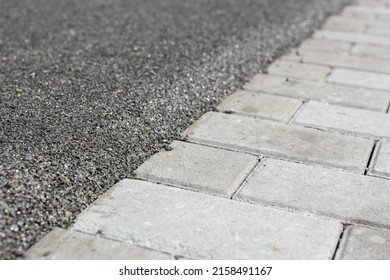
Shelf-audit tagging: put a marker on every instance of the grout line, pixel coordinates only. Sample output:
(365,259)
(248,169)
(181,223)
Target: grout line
(300,109)
(388,109)
(246,178)
(371,157)
(345,226)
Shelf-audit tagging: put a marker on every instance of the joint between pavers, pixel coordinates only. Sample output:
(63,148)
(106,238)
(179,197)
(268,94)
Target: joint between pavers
(300,109)
(373,157)
(259,159)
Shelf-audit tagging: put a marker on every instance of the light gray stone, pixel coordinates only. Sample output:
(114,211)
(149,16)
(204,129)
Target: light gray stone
(345,24)
(61,244)
(359,243)
(354,25)
(298,70)
(354,121)
(260,137)
(371,51)
(352,37)
(366,9)
(198,168)
(261,105)
(365,15)
(325,46)
(340,60)
(330,93)
(360,79)
(195,225)
(379,31)
(381,162)
(338,194)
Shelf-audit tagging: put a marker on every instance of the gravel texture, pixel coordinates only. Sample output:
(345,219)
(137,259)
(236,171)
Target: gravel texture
(91,89)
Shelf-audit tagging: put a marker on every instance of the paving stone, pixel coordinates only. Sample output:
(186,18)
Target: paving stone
(352,37)
(372,51)
(365,15)
(378,31)
(200,226)
(299,70)
(261,105)
(199,168)
(340,60)
(355,121)
(61,244)
(335,193)
(360,79)
(381,162)
(330,93)
(260,137)
(354,25)
(359,243)
(325,46)
(366,9)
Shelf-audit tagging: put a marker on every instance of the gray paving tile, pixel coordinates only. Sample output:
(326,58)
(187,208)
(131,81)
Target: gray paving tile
(359,243)
(206,227)
(350,120)
(198,168)
(360,79)
(354,25)
(340,60)
(381,161)
(256,136)
(346,196)
(330,93)
(352,37)
(371,51)
(61,244)
(265,106)
(325,46)
(298,70)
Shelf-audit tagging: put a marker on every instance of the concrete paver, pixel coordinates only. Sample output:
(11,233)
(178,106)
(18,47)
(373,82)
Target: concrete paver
(365,15)
(360,79)
(381,161)
(61,244)
(325,46)
(340,60)
(352,37)
(372,51)
(195,225)
(299,70)
(350,120)
(342,195)
(198,168)
(246,134)
(330,93)
(354,25)
(265,106)
(359,243)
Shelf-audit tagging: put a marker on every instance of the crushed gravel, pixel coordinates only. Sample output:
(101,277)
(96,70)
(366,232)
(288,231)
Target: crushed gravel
(90,89)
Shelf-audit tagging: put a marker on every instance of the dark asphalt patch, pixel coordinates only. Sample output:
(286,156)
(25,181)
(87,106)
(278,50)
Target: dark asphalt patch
(91,89)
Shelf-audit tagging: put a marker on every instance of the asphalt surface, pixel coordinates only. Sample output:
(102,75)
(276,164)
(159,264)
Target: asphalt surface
(91,89)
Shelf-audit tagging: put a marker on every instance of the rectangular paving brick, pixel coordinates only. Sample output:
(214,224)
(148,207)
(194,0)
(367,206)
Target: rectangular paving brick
(380,165)
(265,106)
(359,243)
(371,51)
(379,31)
(355,121)
(366,9)
(330,93)
(325,46)
(61,244)
(260,137)
(340,60)
(352,37)
(298,70)
(365,15)
(198,168)
(195,225)
(354,25)
(360,79)
(342,195)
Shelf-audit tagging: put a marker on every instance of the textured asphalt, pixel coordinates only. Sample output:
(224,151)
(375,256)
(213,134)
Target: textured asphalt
(91,89)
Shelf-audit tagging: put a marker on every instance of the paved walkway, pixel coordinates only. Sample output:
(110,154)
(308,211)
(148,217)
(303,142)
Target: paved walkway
(295,166)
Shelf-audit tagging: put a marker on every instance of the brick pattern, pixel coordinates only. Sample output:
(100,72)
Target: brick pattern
(275,173)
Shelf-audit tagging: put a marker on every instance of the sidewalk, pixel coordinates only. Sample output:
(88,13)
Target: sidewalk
(295,166)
